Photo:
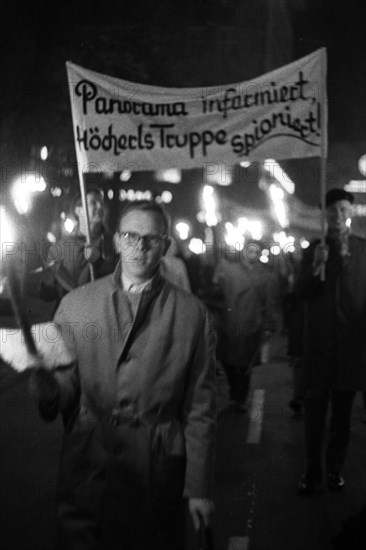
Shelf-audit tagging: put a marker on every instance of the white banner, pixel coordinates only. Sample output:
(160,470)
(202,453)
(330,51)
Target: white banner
(122,125)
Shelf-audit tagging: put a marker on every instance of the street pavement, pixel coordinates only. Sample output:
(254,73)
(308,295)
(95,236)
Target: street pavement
(258,506)
(259,461)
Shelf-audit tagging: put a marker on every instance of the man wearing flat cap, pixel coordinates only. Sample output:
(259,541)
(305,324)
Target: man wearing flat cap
(335,341)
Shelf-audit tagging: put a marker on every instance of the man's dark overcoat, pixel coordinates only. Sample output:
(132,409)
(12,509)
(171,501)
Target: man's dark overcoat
(335,318)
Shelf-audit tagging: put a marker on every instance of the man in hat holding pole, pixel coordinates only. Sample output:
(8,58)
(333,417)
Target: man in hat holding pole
(335,343)
(69,260)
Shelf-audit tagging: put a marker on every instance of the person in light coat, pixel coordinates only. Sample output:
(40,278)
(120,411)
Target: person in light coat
(138,405)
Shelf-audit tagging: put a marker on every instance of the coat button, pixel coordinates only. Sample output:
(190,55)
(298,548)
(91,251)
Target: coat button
(113,420)
(117,449)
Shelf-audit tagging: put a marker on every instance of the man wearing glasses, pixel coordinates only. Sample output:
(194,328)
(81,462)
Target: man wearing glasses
(139,403)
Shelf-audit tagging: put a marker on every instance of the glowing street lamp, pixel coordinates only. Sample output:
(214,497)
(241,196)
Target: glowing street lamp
(210,205)
(166,197)
(183,230)
(6,225)
(277,195)
(279,175)
(197,246)
(125,175)
(21,199)
(362,165)
(275,250)
(253,227)
(69,225)
(8,245)
(22,190)
(44,153)
(169,175)
(233,237)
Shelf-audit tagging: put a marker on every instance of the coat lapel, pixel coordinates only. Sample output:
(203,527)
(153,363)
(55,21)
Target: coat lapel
(122,316)
(126,323)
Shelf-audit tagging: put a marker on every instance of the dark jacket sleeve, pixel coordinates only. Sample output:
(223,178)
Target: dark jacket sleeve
(108,258)
(106,262)
(66,375)
(307,283)
(48,291)
(66,396)
(56,280)
(199,414)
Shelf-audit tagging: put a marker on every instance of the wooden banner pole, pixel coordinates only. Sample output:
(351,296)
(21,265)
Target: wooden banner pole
(86,213)
(81,178)
(323,153)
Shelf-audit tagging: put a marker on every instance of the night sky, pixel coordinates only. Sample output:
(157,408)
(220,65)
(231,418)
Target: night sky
(340,27)
(144,42)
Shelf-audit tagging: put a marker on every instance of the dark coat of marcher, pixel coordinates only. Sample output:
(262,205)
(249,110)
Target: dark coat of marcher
(335,338)
(335,343)
(295,313)
(173,268)
(246,315)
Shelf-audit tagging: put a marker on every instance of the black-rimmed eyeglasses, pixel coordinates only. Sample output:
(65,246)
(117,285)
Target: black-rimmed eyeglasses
(150,240)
